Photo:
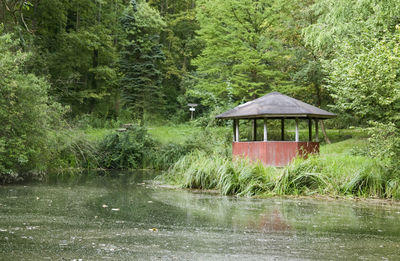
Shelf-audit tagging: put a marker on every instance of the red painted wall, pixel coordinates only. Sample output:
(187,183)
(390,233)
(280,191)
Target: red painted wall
(274,153)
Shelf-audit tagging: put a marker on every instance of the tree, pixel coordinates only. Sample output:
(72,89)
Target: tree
(339,21)
(141,58)
(241,59)
(356,43)
(359,43)
(74,43)
(180,46)
(304,66)
(26,113)
(365,81)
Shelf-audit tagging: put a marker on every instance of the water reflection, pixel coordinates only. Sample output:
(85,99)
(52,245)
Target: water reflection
(120,216)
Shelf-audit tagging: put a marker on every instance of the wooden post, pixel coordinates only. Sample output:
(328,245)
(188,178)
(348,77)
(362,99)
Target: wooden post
(234,130)
(254,129)
(309,130)
(265,130)
(237,130)
(316,131)
(282,129)
(297,129)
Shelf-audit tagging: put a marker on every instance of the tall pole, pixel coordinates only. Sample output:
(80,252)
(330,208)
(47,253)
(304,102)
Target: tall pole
(282,129)
(234,130)
(297,129)
(265,130)
(309,130)
(254,129)
(316,131)
(237,130)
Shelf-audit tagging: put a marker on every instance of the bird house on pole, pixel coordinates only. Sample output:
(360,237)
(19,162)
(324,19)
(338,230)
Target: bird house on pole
(275,106)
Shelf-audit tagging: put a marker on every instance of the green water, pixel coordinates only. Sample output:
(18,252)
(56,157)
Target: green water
(112,217)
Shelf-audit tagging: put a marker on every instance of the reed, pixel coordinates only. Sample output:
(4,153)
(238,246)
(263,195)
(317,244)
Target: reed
(335,174)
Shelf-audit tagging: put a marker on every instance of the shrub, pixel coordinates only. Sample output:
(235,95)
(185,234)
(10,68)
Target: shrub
(164,156)
(72,150)
(27,115)
(385,145)
(126,150)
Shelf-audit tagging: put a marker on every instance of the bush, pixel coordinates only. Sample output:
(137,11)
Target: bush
(164,156)
(126,150)
(385,145)
(26,114)
(72,151)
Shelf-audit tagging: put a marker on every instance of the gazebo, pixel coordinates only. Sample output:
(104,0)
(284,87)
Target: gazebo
(275,106)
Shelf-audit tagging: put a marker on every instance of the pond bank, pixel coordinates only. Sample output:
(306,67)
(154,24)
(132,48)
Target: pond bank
(371,200)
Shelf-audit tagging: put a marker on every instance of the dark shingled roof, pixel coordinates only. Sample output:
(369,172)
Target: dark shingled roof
(275,105)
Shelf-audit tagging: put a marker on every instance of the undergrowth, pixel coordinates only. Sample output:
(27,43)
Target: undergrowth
(344,175)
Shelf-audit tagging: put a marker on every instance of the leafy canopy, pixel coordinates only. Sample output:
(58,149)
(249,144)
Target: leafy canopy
(240,59)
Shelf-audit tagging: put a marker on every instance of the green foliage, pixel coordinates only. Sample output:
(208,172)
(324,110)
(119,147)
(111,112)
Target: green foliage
(75,44)
(199,170)
(342,21)
(359,41)
(164,156)
(376,97)
(126,150)
(240,58)
(335,173)
(385,145)
(26,113)
(72,151)
(180,46)
(187,139)
(87,121)
(141,56)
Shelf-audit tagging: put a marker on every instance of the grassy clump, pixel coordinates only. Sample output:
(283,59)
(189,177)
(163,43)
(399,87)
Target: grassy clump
(126,150)
(335,172)
(200,170)
(73,150)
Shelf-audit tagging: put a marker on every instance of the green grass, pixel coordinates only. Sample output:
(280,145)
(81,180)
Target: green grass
(335,172)
(342,147)
(177,134)
(97,134)
(338,171)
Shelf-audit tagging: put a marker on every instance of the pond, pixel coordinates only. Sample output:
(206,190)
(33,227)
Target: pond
(120,216)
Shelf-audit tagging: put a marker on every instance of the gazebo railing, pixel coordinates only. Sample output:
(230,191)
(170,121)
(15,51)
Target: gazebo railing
(236,134)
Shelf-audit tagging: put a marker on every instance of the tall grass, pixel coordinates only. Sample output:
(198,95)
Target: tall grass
(72,150)
(342,175)
(203,171)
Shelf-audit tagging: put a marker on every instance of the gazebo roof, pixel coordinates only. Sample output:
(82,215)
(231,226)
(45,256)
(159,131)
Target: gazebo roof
(275,105)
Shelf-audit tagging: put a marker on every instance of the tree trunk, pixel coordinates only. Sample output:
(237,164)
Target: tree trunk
(184,66)
(141,116)
(319,101)
(327,140)
(94,65)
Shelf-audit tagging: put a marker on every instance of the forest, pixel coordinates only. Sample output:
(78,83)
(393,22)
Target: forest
(71,72)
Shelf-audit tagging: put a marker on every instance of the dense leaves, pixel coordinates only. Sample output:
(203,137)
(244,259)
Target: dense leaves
(26,113)
(241,58)
(146,60)
(359,46)
(141,59)
(126,150)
